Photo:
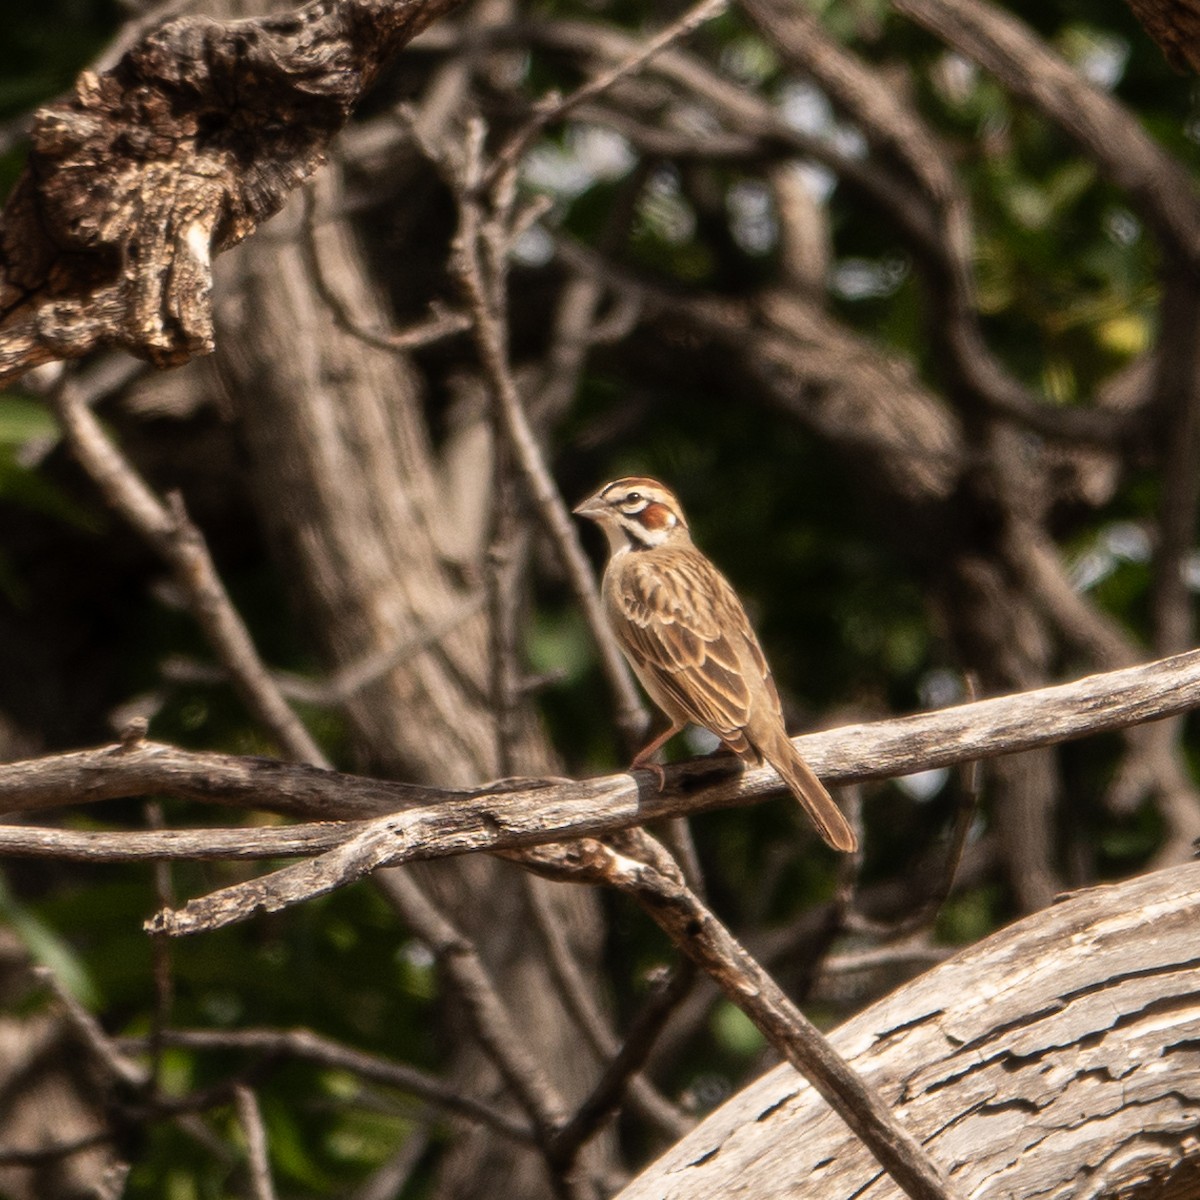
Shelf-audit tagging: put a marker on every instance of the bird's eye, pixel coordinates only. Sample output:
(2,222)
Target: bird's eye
(633,497)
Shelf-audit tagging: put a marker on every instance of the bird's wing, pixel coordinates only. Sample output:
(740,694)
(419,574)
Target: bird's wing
(687,630)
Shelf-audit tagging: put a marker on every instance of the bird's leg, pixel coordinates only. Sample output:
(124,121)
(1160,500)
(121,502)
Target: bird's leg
(641,760)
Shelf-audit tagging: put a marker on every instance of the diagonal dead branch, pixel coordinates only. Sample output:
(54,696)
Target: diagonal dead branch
(697,932)
(170,533)
(623,1071)
(492,1024)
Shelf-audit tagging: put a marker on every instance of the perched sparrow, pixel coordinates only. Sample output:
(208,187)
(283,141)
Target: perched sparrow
(688,639)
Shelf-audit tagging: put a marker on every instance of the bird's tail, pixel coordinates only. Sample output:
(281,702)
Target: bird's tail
(811,793)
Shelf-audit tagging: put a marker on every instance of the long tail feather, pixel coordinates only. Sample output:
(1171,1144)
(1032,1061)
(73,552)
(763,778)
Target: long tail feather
(811,793)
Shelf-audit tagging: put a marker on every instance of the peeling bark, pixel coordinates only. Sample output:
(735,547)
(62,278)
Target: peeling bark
(198,134)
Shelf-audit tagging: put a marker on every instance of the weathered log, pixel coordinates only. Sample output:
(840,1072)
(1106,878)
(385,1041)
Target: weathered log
(198,134)
(1058,1057)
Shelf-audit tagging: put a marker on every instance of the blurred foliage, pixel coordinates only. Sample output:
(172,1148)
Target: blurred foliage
(43,48)
(1068,282)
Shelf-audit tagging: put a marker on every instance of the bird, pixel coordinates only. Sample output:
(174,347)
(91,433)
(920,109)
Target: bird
(685,633)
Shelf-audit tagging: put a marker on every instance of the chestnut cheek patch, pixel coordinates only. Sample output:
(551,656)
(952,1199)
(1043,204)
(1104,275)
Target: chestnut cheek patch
(657,516)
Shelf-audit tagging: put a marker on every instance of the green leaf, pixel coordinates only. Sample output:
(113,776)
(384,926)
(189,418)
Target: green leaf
(735,1032)
(48,948)
(23,419)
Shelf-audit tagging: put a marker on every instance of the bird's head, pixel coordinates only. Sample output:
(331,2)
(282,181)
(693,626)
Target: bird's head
(636,513)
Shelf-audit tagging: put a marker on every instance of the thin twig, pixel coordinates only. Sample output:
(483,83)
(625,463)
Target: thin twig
(347,681)
(388,1181)
(576,995)
(160,953)
(262,1186)
(849,872)
(36,1156)
(912,952)
(624,1068)
(504,563)
(1179,396)
(579,1000)
(116,1065)
(555,108)
(480,256)
(306,1046)
(439,325)
(492,1025)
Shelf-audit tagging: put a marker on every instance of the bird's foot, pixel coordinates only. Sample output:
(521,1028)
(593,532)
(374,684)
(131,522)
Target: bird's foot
(660,776)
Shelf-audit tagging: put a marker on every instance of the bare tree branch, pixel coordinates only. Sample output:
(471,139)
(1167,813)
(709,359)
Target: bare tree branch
(117,1065)
(440,323)
(389,1181)
(622,1071)
(482,247)
(516,813)
(304,1045)
(242,781)
(457,956)
(554,108)
(524,818)
(262,1186)
(1157,186)
(158,845)
(697,932)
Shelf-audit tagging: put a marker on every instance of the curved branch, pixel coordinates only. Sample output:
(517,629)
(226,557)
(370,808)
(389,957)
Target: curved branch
(306,1046)
(170,532)
(241,781)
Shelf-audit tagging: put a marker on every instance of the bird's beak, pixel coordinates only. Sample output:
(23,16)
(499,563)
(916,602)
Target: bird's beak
(592,508)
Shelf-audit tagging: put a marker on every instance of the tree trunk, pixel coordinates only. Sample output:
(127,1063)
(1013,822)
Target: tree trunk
(354,502)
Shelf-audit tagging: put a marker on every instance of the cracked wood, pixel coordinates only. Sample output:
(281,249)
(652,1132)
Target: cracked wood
(1058,1057)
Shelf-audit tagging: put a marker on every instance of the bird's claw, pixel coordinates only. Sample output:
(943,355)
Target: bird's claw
(660,776)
